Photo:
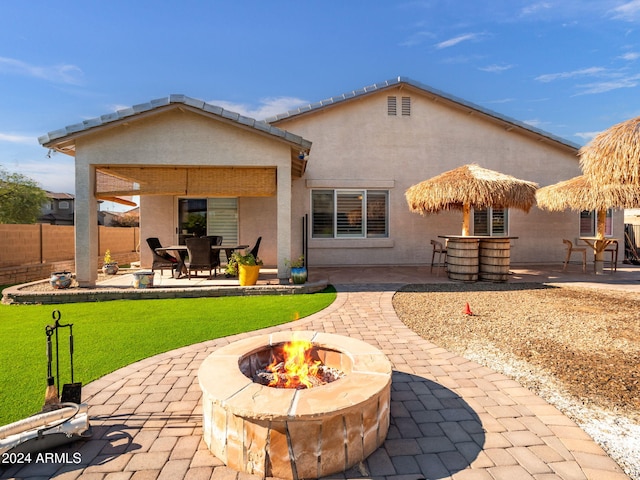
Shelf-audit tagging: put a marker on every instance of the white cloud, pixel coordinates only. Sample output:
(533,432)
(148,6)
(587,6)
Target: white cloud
(550,77)
(587,136)
(629,11)
(630,56)
(534,8)
(496,68)
(609,79)
(535,123)
(456,40)
(13,138)
(116,107)
(416,39)
(268,106)
(608,85)
(56,174)
(500,101)
(69,74)
(461,59)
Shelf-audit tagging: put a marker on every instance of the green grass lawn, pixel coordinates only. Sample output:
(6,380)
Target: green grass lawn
(110,335)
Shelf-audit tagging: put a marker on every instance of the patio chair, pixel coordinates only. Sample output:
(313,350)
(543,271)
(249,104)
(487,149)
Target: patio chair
(161,260)
(215,254)
(199,253)
(612,250)
(570,250)
(256,247)
(441,251)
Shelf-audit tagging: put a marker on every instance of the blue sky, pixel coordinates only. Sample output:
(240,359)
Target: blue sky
(569,67)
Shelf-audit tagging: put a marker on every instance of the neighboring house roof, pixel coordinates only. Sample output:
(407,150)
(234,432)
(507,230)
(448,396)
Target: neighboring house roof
(509,123)
(63,140)
(134,212)
(59,196)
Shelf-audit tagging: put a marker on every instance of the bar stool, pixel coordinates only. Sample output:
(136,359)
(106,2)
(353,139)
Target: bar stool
(439,249)
(571,249)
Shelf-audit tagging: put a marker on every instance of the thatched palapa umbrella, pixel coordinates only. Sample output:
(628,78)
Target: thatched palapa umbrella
(611,163)
(470,186)
(613,156)
(583,193)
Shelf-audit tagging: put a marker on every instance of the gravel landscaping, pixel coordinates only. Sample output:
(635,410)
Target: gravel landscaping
(577,348)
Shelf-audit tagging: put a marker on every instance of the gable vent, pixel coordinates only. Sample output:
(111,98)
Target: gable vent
(391,106)
(406,106)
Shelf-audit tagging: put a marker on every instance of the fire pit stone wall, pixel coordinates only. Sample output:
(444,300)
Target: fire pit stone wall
(290,433)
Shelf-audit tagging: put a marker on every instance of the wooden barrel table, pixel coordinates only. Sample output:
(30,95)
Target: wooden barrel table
(462,259)
(495,258)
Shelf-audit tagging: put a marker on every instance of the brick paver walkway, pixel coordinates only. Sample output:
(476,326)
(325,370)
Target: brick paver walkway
(450,418)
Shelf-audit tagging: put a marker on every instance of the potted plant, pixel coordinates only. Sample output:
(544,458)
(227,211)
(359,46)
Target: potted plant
(246,266)
(109,266)
(143,279)
(60,279)
(298,270)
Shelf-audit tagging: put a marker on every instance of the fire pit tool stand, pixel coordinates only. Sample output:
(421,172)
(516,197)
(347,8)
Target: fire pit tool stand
(62,420)
(71,392)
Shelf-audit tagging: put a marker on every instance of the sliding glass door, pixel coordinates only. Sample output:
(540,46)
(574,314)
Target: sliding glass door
(208,216)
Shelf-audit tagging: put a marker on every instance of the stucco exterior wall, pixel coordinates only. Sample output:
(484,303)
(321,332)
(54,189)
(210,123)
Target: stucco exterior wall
(178,137)
(356,144)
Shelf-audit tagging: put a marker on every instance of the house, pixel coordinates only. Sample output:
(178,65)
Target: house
(130,218)
(58,210)
(343,163)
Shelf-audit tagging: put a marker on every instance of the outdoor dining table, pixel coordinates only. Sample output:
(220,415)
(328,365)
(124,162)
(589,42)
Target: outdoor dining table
(182,250)
(470,257)
(598,245)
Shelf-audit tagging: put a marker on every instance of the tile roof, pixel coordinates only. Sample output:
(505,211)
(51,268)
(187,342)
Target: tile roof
(425,88)
(60,196)
(175,99)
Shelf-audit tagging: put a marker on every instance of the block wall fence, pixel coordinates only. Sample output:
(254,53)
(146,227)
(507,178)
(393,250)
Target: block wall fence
(33,252)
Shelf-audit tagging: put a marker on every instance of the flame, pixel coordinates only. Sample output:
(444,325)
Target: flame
(296,365)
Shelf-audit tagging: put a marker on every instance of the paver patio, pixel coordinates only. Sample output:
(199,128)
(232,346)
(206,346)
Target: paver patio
(450,417)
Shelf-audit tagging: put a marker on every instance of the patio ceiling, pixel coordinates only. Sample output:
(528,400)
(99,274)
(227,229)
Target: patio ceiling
(116,183)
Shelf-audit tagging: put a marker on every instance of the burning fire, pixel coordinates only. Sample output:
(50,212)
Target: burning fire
(296,368)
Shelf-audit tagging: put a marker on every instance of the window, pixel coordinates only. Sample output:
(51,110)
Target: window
(349,213)
(589,223)
(492,221)
(63,205)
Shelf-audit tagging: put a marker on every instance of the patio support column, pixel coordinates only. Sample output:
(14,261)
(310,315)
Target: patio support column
(284,220)
(86,225)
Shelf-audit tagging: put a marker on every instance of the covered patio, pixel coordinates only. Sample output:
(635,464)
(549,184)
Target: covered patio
(181,148)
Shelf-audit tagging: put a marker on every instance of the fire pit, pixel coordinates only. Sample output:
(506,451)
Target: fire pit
(303,431)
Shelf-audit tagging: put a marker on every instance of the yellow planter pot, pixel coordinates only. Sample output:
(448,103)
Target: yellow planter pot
(248,274)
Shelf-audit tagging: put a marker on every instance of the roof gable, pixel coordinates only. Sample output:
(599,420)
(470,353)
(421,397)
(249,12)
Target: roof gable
(63,140)
(509,123)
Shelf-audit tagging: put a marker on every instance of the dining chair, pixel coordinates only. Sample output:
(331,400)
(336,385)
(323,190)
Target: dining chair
(570,250)
(161,260)
(216,240)
(440,250)
(199,255)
